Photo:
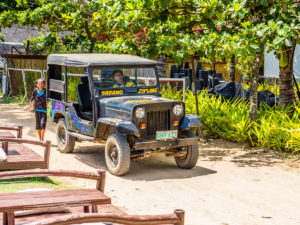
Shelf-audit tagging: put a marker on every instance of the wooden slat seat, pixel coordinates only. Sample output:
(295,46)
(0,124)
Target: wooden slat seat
(7,134)
(20,157)
(35,200)
(19,154)
(105,208)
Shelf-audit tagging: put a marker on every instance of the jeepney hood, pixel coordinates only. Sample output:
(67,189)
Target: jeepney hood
(122,107)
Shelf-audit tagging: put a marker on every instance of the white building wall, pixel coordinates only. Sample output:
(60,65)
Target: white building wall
(271,64)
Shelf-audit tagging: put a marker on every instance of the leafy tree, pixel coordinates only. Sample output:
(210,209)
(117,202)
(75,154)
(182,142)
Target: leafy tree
(208,29)
(77,25)
(7,6)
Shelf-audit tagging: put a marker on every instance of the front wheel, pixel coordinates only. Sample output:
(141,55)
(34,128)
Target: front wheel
(65,142)
(117,154)
(190,159)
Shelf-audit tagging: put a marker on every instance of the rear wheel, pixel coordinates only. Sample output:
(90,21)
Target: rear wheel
(117,154)
(190,159)
(65,142)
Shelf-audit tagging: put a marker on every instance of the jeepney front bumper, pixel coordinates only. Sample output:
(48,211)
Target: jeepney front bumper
(169,144)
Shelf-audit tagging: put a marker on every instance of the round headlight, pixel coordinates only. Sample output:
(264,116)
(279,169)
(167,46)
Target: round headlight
(177,109)
(140,113)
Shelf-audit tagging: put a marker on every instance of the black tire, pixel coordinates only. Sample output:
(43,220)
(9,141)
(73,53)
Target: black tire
(117,154)
(65,142)
(191,158)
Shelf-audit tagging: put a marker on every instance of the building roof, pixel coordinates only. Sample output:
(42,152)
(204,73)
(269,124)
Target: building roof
(5,48)
(19,34)
(87,60)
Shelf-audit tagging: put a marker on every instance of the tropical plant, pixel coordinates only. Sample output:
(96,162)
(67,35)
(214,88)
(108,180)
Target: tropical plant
(275,129)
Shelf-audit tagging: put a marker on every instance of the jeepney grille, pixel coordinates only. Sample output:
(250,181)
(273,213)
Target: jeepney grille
(158,121)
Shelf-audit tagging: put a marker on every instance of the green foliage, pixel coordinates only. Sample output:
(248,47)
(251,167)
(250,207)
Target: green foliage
(14,99)
(73,82)
(274,129)
(170,93)
(265,87)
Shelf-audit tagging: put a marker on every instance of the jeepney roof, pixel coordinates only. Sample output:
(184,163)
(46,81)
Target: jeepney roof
(89,60)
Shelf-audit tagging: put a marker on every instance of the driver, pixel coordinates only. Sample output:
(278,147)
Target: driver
(119,80)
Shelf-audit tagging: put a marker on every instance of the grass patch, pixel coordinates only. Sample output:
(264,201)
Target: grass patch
(13,185)
(16,99)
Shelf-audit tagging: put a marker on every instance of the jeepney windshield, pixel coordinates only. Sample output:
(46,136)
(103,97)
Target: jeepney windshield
(116,78)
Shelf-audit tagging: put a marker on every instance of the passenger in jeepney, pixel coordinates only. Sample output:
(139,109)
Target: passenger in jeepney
(120,81)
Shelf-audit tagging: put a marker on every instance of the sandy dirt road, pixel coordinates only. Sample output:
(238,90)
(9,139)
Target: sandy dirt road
(229,185)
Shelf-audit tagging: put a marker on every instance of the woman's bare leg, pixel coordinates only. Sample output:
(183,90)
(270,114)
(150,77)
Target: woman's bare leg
(42,134)
(39,133)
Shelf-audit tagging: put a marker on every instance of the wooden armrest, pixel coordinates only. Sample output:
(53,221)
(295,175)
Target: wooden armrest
(99,175)
(19,130)
(25,141)
(177,218)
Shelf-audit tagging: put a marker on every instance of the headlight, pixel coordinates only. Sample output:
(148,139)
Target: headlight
(177,109)
(140,113)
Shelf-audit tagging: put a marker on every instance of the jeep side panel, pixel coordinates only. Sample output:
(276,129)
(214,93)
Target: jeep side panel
(55,109)
(74,123)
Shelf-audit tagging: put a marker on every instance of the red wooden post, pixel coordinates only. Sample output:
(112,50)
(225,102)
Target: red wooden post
(47,154)
(94,208)
(10,218)
(5,147)
(20,132)
(5,222)
(101,182)
(86,209)
(180,214)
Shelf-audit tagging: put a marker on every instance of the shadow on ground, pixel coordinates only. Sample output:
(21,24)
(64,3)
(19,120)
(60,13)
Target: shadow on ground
(161,166)
(241,155)
(258,158)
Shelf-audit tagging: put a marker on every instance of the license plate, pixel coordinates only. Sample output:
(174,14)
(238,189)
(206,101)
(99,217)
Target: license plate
(165,135)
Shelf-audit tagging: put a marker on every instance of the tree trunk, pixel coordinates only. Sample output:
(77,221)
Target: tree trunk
(90,37)
(254,85)
(195,86)
(286,76)
(91,49)
(232,69)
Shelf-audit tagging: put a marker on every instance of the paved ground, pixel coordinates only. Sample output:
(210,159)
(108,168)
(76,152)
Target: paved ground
(229,185)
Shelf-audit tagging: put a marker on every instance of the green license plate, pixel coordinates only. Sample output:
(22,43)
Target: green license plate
(165,135)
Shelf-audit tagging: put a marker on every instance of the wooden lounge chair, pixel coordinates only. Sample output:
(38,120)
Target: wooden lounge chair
(177,218)
(35,200)
(8,134)
(20,157)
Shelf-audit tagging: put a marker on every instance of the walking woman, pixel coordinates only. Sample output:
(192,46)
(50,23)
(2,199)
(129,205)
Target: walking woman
(39,106)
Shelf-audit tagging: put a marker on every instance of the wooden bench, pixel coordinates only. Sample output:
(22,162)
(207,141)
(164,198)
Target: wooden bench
(86,198)
(8,134)
(20,157)
(177,218)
